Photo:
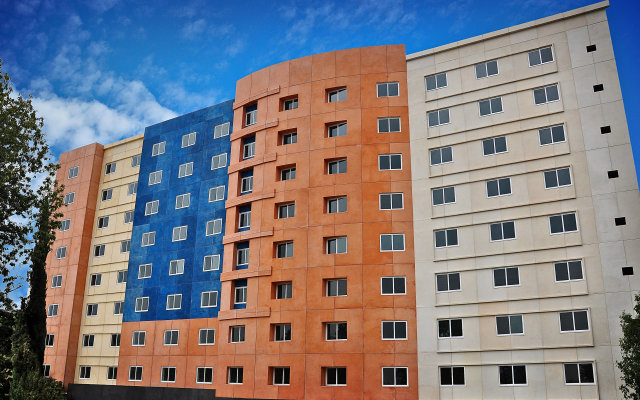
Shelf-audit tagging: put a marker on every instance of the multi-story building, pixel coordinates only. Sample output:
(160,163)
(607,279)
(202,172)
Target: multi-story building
(270,246)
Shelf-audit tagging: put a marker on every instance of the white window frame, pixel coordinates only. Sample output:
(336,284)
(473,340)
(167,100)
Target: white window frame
(158,148)
(485,64)
(209,293)
(573,319)
(390,155)
(435,78)
(388,121)
(395,335)
(578,363)
(61,252)
(510,330)
(155,178)
(169,334)
(142,267)
(205,375)
(213,223)
(84,372)
(216,191)
(73,172)
(503,239)
(395,376)
(181,232)
(151,207)
(183,201)
(140,301)
(221,130)
(179,267)
(172,298)
(150,239)
(394,293)
(337,92)
(136,368)
(217,159)
(215,262)
(562,218)
(386,85)
(206,332)
(337,240)
(190,140)
(404,243)
(439,118)
(140,335)
(185,170)
(491,112)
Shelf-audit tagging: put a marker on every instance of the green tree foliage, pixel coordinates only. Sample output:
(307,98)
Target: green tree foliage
(7,320)
(629,365)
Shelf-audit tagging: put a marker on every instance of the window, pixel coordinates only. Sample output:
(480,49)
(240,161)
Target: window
(289,138)
(389,124)
(605,129)
(240,292)
(52,310)
(49,340)
(284,290)
(125,246)
(204,375)
(591,48)
(395,376)
(574,321)
(135,373)
(95,279)
(132,188)
(107,194)
(122,277)
(92,310)
(499,187)
(450,328)
(46,370)
(337,205)
(85,372)
(557,178)
(337,167)
(552,134)
(235,375)
(61,252)
(138,338)
(186,169)
(446,237)
(174,301)
(494,145)
(390,162)
(335,376)
(394,330)
(207,337)
(336,287)
(136,160)
(579,374)
(448,282)
(337,95)
(391,201)
(236,334)
(512,375)
(249,148)
(118,308)
(445,195)
(221,130)
(219,161)
(289,104)
(242,256)
(115,340)
(179,233)
(246,184)
(284,250)
(337,130)
(214,227)
(103,222)
(337,245)
(281,375)
(69,198)
(503,231)
(128,217)
(486,69)
(216,193)
(189,139)
(563,223)
(251,114)
(142,304)
(73,172)
(509,325)
(509,276)
(183,201)
(144,271)
(98,251)
(568,271)
(112,373)
(176,267)
(540,56)
(441,156)
(490,106)
(451,376)
(287,210)
(282,332)
(438,117)
(157,149)
(613,174)
(244,219)
(436,81)
(546,94)
(393,285)
(388,89)
(392,242)
(110,168)
(211,262)
(155,177)
(56,281)
(287,174)
(336,330)
(171,337)
(65,225)
(151,207)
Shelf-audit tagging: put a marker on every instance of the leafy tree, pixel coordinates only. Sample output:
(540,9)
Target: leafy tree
(629,365)
(7,320)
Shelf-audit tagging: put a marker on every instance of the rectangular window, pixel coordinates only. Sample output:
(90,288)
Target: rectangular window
(284,290)
(95,279)
(122,276)
(209,299)
(336,287)
(512,375)
(392,242)
(128,217)
(46,370)
(85,372)
(287,174)
(579,374)
(246,184)
(142,304)
(337,95)
(240,293)
(289,104)
(444,195)
(65,225)
(132,188)
(337,167)
(438,117)
(287,210)
(69,198)
(107,194)
(103,222)
(490,106)
(214,227)
(282,332)
(98,251)
(281,375)
(207,337)
(442,155)
(389,124)
(337,245)
(135,373)
(236,334)
(449,282)
(391,201)
(174,301)
(118,308)
(494,145)
(155,177)
(157,149)
(183,201)
(436,81)
(335,376)
(179,233)
(393,285)
(189,139)
(451,376)
(503,231)
(336,330)
(509,325)
(563,223)
(557,178)
(176,267)
(135,160)
(49,340)
(216,193)
(52,310)
(540,56)
(138,338)
(551,135)
(574,321)
(115,340)
(388,89)
(337,205)
(204,375)
(235,375)
(112,373)
(171,337)
(486,69)
(56,281)
(242,257)
(211,262)
(284,250)
(125,246)
(144,271)
(394,330)
(73,172)
(219,161)
(568,271)
(546,94)
(389,162)
(446,237)
(249,148)
(244,220)
(110,168)
(221,130)
(395,376)
(499,187)
(185,169)
(251,114)
(92,310)
(509,276)
(61,252)
(151,207)
(289,138)
(450,328)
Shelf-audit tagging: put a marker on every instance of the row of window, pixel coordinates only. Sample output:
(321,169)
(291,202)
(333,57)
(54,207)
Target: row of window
(109,168)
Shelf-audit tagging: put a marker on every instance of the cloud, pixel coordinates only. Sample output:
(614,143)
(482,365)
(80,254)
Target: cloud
(235,47)
(102,5)
(193,30)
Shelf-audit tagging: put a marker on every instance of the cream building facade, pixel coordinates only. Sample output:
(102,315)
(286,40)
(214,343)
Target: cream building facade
(526,211)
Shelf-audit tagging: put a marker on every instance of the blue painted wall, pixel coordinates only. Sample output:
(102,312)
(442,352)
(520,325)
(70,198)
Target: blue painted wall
(194,280)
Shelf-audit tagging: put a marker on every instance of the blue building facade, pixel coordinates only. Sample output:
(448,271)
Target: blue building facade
(176,245)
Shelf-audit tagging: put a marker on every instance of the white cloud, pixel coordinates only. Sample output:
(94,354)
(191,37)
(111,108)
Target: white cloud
(194,29)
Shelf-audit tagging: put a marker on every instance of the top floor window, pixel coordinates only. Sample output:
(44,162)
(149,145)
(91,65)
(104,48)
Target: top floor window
(73,172)
(289,104)
(189,139)
(110,168)
(157,149)
(251,115)
(221,130)
(135,160)
(388,89)
(486,69)
(436,81)
(540,56)
(337,95)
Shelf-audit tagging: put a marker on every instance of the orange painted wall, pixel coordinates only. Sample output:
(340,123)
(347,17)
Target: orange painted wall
(73,268)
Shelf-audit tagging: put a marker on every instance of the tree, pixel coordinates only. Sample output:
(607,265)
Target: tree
(629,365)
(7,321)
(25,159)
